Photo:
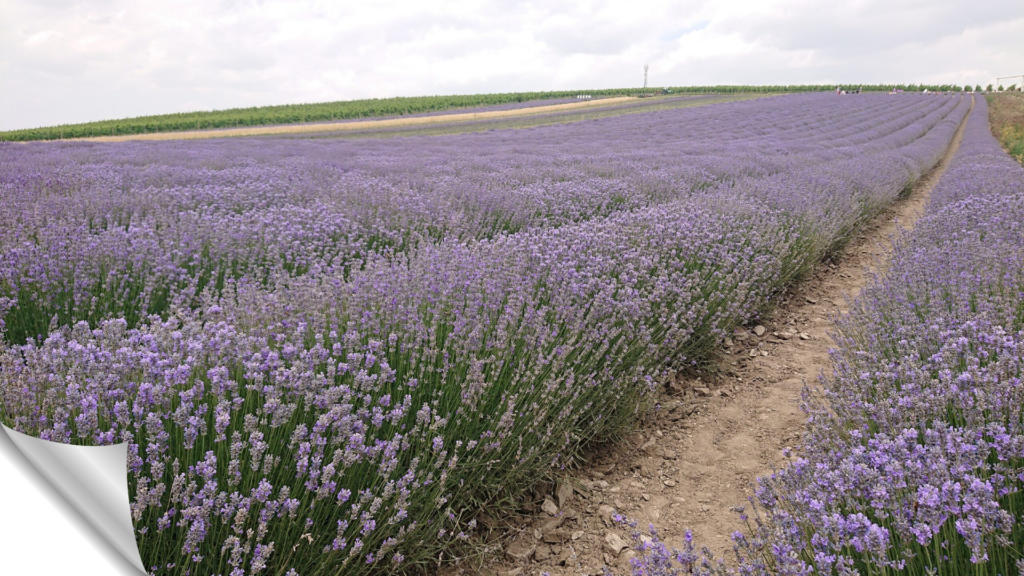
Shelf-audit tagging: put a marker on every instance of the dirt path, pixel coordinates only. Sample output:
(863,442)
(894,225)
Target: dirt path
(360,125)
(689,466)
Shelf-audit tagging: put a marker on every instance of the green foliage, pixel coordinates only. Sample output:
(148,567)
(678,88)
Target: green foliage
(373,108)
(1006,116)
(289,114)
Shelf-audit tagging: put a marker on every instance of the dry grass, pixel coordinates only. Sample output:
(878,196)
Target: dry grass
(1006,115)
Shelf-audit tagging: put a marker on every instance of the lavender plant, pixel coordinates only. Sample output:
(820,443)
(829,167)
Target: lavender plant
(130,230)
(329,357)
(914,462)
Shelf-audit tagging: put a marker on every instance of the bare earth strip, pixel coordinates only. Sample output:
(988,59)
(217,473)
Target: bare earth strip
(688,467)
(361,125)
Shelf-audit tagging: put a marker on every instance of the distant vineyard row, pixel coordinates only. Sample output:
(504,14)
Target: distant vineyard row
(354,109)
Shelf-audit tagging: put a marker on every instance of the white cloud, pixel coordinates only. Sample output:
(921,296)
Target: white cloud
(76,60)
(39,38)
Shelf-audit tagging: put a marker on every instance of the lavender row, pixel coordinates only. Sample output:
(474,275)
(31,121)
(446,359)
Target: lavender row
(915,454)
(347,421)
(96,231)
(921,425)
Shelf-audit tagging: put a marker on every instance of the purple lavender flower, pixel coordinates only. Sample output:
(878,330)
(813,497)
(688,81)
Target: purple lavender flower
(414,326)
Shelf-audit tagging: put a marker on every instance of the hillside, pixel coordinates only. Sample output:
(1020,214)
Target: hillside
(369,108)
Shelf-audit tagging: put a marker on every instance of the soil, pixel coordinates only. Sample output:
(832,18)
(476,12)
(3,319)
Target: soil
(697,459)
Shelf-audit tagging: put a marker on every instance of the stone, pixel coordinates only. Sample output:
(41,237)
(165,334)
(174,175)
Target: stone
(753,352)
(556,536)
(521,550)
(759,330)
(810,300)
(606,513)
(649,467)
(577,535)
(614,543)
(513,572)
(542,553)
(564,557)
(805,336)
(646,497)
(549,506)
(702,391)
(670,483)
(564,493)
(764,352)
(728,342)
(553,523)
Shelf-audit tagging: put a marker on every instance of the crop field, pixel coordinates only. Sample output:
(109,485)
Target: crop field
(923,449)
(443,118)
(378,107)
(532,117)
(913,461)
(342,356)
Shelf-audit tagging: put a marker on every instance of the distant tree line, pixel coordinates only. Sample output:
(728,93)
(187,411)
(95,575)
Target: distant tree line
(376,107)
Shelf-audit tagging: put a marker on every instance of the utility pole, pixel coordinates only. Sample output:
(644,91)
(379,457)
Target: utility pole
(645,78)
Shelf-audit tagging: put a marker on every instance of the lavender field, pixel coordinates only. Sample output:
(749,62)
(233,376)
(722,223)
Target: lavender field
(913,463)
(924,439)
(338,357)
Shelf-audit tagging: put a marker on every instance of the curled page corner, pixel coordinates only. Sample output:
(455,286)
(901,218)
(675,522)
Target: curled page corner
(94,480)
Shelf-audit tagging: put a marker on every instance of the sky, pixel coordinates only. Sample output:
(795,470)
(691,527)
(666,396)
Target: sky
(65,61)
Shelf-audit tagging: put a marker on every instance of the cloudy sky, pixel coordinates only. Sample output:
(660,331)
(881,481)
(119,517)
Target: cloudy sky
(71,61)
